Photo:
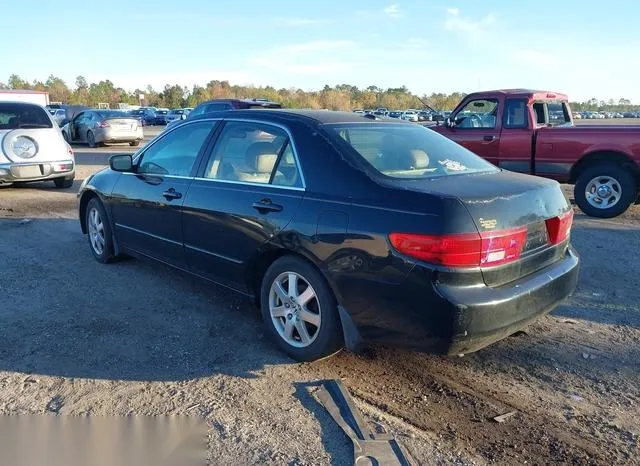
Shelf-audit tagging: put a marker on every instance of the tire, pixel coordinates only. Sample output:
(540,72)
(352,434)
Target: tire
(91,139)
(614,179)
(104,254)
(326,337)
(134,143)
(66,137)
(63,183)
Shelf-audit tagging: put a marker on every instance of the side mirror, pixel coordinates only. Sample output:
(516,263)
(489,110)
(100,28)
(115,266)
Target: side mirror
(121,163)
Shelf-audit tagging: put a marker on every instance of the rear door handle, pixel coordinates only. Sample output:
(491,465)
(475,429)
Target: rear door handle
(171,194)
(489,138)
(265,205)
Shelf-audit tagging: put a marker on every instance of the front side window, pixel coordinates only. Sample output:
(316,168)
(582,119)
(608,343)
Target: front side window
(253,152)
(477,114)
(176,153)
(409,151)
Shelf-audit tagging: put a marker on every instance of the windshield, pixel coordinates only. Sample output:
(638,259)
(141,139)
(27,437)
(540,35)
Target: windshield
(21,115)
(409,151)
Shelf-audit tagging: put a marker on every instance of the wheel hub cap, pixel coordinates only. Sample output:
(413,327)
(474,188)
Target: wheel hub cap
(603,192)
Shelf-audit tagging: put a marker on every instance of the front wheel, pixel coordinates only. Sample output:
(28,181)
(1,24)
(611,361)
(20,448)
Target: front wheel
(605,190)
(300,310)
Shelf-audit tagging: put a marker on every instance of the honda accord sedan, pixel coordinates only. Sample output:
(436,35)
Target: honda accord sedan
(344,230)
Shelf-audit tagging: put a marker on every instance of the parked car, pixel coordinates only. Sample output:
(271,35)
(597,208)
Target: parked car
(394,114)
(176,114)
(58,115)
(97,126)
(218,105)
(409,115)
(408,238)
(602,162)
(161,116)
(145,116)
(32,147)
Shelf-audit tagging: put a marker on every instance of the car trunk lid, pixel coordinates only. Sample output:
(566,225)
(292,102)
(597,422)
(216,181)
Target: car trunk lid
(124,124)
(501,202)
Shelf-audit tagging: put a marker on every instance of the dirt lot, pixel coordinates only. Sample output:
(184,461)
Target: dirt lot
(77,337)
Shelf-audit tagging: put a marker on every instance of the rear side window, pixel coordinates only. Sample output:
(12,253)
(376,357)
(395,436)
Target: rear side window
(254,153)
(409,151)
(18,115)
(557,113)
(515,114)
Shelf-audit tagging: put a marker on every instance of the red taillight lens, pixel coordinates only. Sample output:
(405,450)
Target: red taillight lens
(69,150)
(559,227)
(102,124)
(463,250)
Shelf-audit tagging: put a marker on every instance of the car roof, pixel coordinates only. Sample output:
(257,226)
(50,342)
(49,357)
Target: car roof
(318,116)
(521,92)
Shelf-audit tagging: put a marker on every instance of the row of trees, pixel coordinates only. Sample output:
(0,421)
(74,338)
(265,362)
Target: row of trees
(340,97)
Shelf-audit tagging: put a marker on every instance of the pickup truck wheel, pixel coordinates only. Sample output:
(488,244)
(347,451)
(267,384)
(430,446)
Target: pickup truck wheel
(605,190)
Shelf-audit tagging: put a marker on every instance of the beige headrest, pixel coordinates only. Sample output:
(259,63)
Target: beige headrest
(419,159)
(265,163)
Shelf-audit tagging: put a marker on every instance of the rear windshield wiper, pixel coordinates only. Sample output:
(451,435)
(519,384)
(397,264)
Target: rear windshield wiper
(33,125)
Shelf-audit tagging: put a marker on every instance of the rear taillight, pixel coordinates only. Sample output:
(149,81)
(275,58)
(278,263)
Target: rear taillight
(102,124)
(559,227)
(69,150)
(463,250)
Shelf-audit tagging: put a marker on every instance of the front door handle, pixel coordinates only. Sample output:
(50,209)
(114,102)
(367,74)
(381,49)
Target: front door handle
(265,205)
(171,194)
(489,138)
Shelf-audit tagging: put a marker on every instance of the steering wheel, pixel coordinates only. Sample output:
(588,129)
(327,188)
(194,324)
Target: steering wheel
(476,121)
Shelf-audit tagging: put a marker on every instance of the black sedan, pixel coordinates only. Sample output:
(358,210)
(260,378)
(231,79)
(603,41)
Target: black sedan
(344,230)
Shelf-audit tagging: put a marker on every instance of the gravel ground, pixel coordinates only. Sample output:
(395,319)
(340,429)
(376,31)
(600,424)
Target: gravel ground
(78,337)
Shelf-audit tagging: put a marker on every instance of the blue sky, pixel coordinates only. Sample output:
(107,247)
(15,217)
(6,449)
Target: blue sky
(585,50)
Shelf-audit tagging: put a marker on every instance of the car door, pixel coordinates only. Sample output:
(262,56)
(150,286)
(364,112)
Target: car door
(147,204)
(516,136)
(475,126)
(76,126)
(246,192)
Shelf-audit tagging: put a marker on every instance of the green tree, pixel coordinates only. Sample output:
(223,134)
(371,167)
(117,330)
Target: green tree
(16,82)
(58,90)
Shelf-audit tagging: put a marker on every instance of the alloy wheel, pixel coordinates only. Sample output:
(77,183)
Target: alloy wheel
(603,192)
(295,309)
(96,231)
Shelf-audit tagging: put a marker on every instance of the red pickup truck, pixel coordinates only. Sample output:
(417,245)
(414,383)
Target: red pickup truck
(533,132)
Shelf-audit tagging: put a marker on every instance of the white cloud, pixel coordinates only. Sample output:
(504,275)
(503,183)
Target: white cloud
(316,46)
(393,11)
(457,23)
(453,11)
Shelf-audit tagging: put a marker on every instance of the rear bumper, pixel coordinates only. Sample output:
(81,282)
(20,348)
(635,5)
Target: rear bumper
(111,135)
(481,316)
(425,314)
(36,171)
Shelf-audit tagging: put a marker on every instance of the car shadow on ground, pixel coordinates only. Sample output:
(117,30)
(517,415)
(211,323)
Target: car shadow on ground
(64,314)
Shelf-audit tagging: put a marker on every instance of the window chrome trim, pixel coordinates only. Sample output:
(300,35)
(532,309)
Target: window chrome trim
(247,183)
(291,141)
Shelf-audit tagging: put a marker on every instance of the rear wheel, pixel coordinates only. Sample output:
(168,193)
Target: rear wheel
(299,310)
(605,190)
(63,183)
(91,139)
(99,232)
(134,143)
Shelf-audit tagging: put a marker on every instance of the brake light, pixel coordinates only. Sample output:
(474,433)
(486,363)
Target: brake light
(69,150)
(559,227)
(102,124)
(463,250)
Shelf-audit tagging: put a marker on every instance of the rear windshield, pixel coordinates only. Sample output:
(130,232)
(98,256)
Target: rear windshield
(19,115)
(161,112)
(409,151)
(176,112)
(111,114)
